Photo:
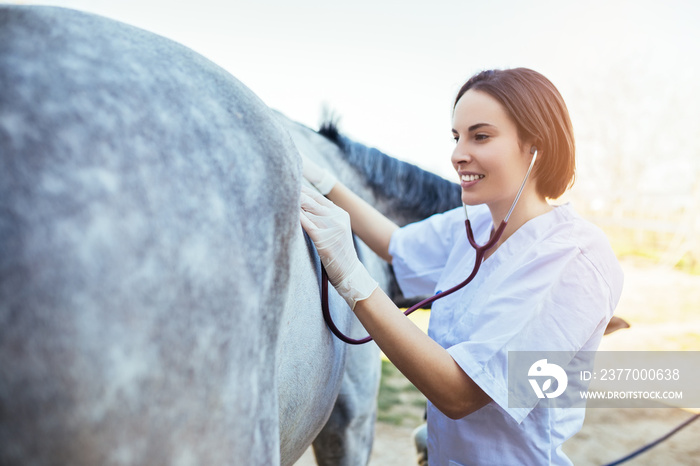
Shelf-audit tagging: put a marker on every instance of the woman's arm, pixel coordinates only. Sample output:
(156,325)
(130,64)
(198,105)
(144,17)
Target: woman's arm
(367,222)
(425,363)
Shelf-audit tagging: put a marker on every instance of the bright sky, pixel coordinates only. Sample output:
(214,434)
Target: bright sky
(390,69)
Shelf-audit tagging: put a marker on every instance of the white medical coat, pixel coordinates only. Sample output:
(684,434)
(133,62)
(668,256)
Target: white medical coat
(552,286)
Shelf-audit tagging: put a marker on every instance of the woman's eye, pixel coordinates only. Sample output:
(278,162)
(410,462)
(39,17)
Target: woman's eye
(456,138)
(481,137)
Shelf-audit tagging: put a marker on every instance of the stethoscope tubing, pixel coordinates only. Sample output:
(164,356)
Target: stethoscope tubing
(479,258)
(480,253)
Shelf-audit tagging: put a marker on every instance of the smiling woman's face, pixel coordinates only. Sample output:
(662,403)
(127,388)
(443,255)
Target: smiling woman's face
(489,158)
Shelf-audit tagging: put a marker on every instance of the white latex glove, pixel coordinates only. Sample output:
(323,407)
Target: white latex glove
(322,179)
(328,227)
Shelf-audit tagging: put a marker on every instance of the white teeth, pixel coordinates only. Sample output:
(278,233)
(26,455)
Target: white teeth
(471,177)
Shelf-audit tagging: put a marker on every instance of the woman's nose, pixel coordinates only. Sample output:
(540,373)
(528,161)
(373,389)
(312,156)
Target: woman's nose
(460,155)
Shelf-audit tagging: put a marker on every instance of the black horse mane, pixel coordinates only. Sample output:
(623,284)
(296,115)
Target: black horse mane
(412,191)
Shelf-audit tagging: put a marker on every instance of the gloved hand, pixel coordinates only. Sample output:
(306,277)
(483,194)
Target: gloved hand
(321,178)
(328,227)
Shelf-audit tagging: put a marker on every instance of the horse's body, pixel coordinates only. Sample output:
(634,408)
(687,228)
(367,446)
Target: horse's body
(159,303)
(139,311)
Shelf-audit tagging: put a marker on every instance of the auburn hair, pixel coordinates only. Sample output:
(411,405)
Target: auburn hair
(540,115)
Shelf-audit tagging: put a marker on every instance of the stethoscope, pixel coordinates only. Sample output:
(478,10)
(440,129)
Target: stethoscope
(480,254)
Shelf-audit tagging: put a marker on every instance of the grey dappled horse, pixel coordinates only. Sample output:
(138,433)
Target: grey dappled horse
(159,303)
(406,194)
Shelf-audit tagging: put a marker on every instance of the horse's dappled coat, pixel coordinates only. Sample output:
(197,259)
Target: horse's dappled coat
(139,316)
(159,303)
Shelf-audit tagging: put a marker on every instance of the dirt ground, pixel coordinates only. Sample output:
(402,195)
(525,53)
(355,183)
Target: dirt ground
(607,435)
(662,307)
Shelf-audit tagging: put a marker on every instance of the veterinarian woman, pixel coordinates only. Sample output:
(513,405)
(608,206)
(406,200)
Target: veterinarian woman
(550,282)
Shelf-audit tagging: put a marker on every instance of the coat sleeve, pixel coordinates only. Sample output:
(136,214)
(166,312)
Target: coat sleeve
(559,303)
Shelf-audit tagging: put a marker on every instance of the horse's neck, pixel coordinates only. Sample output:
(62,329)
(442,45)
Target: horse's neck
(401,191)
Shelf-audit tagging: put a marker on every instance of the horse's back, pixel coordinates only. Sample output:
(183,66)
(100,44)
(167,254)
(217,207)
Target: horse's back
(142,204)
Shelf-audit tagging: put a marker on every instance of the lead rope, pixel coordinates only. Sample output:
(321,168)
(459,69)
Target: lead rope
(651,445)
(480,252)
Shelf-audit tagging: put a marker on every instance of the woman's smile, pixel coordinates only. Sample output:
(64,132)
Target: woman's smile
(469,179)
